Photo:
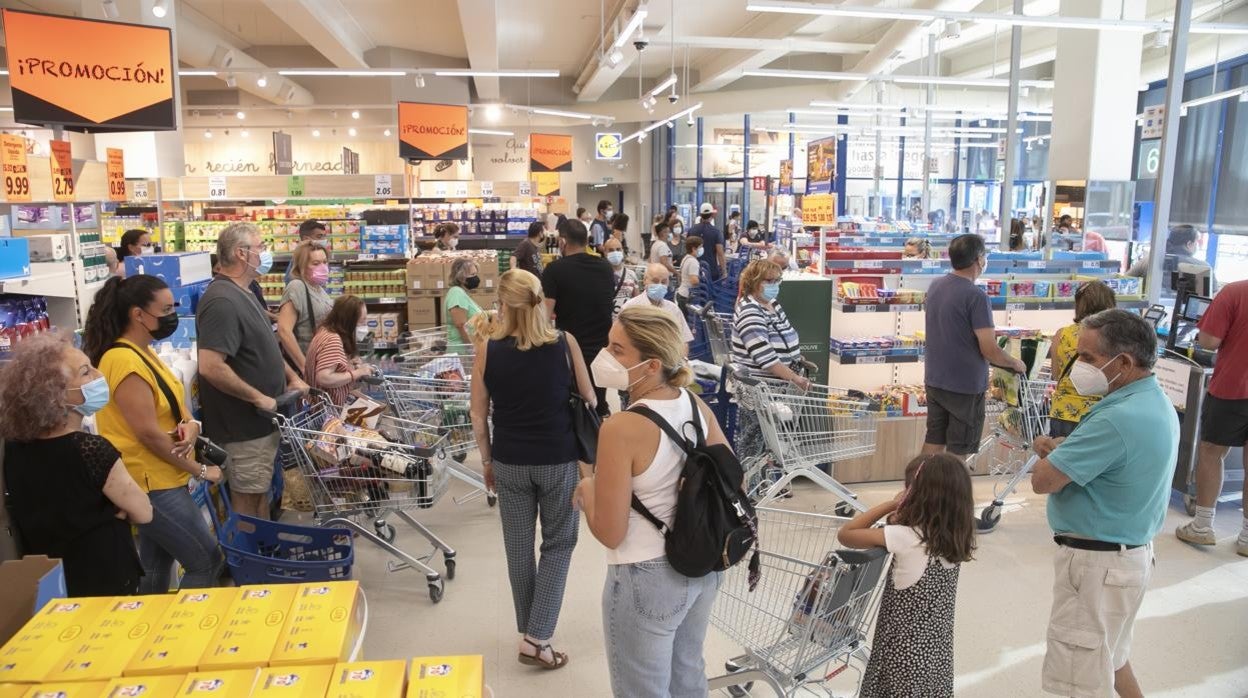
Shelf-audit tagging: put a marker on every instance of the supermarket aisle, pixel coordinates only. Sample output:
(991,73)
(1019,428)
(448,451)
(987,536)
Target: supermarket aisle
(1189,637)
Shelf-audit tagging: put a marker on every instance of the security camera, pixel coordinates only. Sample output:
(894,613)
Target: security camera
(641,44)
(672,99)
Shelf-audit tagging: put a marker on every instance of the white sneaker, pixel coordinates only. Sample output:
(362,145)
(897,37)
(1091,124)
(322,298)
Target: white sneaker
(1190,533)
(1241,546)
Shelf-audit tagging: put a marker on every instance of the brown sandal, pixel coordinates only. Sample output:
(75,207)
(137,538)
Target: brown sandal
(560,660)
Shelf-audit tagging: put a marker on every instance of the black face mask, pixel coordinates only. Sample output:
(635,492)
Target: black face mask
(166,325)
(471,283)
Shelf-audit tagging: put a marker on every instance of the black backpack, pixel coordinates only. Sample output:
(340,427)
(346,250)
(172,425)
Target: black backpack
(715,524)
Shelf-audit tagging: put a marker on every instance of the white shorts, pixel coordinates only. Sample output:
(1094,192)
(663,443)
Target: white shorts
(1095,598)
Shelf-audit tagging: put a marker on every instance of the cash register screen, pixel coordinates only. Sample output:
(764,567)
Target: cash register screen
(1186,330)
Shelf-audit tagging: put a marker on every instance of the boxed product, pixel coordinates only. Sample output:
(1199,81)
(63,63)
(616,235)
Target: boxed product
(175,269)
(460,676)
(389,327)
(421,312)
(31,582)
(103,651)
(87,689)
(186,298)
(246,634)
(14,258)
(144,687)
(235,683)
(368,680)
(49,248)
(322,625)
(293,682)
(13,690)
(35,649)
(180,637)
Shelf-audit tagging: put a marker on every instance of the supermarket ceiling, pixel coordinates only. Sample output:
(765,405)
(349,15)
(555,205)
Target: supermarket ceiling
(315,61)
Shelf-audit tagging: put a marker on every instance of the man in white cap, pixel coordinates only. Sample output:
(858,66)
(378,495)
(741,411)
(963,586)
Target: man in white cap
(712,241)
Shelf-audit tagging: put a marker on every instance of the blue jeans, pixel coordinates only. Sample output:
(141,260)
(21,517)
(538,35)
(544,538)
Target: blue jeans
(178,532)
(655,621)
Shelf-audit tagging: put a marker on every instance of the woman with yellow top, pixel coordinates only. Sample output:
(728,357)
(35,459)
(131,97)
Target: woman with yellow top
(1068,405)
(156,438)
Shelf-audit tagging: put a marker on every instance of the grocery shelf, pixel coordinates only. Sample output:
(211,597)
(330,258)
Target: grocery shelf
(54,279)
(877,359)
(385,300)
(877,307)
(998,303)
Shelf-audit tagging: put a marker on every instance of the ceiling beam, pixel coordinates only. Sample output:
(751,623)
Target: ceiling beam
(201,42)
(725,68)
(328,27)
(479,20)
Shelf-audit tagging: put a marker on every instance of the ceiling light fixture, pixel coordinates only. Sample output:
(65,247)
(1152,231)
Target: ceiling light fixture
(640,135)
(805,74)
(319,72)
(569,114)
(355,114)
(386,133)
(633,25)
(110,9)
(493,112)
(262,81)
(1215,97)
(160,8)
(615,57)
(953,29)
(208,133)
(466,73)
(316,133)
(489,132)
(351,132)
(420,80)
(240,114)
(671,80)
(188,73)
(244,133)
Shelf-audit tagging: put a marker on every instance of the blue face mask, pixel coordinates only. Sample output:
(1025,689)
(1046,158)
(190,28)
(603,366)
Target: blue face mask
(771,290)
(94,397)
(656,292)
(699,251)
(615,257)
(266,263)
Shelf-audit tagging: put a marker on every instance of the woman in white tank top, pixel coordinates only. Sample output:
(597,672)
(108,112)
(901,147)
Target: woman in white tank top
(653,617)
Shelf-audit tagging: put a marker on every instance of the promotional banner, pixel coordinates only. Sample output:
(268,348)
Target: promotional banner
(283,154)
(546,183)
(116,169)
(786,177)
(89,75)
(819,209)
(608,146)
(433,131)
(16,174)
(820,166)
(61,161)
(550,152)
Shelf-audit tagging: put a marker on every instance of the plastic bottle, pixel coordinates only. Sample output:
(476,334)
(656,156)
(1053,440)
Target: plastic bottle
(188,369)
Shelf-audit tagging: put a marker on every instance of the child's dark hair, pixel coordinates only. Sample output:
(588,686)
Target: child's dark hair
(940,506)
(342,319)
(110,313)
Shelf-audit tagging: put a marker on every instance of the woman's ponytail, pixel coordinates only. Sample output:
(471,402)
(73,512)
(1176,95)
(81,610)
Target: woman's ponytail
(109,315)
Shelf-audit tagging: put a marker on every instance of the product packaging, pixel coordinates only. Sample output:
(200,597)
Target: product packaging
(293,682)
(104,650)
(36,648)
(236,683)
(86,689)
(251,626)
(179,639)
(460,676)
(323,624)
(368,680)
(144,687)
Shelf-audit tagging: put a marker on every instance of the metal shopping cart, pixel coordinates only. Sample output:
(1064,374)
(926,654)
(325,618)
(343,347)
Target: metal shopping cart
(354,473)
(809,617)
(1018,410)
(804,430)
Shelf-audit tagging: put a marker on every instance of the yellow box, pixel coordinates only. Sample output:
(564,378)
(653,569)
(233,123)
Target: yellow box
(144,687)
(30,654)
(322,625)
(13,690)
(233,683)
(368,680)
(178,641)
(293,682)
(460,676)
(105,649)
(85,689)
(250,628)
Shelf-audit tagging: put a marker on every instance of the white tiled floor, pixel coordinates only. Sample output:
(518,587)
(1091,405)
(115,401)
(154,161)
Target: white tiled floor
(1191,638)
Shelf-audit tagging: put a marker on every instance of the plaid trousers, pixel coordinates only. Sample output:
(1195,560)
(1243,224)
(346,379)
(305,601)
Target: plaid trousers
(526,492)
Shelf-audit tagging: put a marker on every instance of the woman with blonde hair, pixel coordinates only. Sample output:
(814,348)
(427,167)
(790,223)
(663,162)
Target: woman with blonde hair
(305,303)
(654,618)
(520,386)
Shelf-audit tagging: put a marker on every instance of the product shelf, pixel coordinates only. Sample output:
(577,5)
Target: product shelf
(55,279)
(848,359)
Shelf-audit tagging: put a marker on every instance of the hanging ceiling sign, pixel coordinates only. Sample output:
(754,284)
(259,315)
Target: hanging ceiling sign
(86,74)
(786,177)
(433,131)
(820,165)
(546,183)
(550,152)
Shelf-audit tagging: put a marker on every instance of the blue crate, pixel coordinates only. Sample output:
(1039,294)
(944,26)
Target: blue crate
(266,552)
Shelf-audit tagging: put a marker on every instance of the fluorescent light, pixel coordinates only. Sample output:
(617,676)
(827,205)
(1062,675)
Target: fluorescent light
(330,73)
(316,133)
(187,73)
(6,108)
(489,132)
(493,112)
(496,73)
(633,25)
(386,133)
(805,74)
(853,105)
(355,113)
(921,15)
(965,82)
(671,80)
(568,114)
(639,135)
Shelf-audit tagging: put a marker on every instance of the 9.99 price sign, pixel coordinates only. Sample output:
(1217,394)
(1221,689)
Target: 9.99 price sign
(16,173)
(62,164)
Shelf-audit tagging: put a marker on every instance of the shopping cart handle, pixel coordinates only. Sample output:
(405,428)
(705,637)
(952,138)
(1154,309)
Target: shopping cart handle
(374,378)
(282,401)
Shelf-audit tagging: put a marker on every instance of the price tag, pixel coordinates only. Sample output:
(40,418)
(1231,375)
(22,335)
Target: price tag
(140,190)
(382,186)
(460,189)
(365,257)
(1092,266)
(16,172)
(216,187)
(867,308)
(526,188)
(886,241)
(115,166)
(62,164)
(487,188)
(1037,265)
(294,186)
(931,264)
(440,189)
(1015,306)
(870,360)
(869,264)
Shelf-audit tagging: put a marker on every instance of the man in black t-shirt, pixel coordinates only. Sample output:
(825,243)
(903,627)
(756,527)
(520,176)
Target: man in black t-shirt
(528,254)
(580,289)
(712,241)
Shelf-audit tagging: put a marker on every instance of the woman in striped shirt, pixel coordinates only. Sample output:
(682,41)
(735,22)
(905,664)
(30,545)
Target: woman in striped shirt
(332,364)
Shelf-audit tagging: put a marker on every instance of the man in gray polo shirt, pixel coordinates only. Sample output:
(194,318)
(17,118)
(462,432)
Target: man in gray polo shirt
(242,368)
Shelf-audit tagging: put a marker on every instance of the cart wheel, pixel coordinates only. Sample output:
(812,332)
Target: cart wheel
(384,531)
(450,568)
(989,517)
(844,509)
(738,691)
(460,457)
(492,500)
(1189,504)
(435,592)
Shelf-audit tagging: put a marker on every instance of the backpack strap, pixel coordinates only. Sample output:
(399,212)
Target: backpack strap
(678,439)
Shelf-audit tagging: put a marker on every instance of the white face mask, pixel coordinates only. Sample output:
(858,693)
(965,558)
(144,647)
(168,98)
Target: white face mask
(610,373)
(361,333)
(1089,380)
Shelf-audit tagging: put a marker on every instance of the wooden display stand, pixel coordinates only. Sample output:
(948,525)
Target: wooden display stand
(898,440)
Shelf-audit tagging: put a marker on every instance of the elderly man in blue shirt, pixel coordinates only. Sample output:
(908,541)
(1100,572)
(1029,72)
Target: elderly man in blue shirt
(1108,485)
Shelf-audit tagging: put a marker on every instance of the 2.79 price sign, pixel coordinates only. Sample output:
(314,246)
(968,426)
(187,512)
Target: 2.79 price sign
(16,174)
(62,164)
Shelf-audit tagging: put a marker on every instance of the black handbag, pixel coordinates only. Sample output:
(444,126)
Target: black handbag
(585,421)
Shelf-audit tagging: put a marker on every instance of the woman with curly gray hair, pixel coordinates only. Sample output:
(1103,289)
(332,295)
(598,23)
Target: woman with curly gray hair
(69,494)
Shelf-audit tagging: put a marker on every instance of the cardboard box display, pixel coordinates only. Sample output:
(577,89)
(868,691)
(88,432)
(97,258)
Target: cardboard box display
(368,680)
(187,297)
(426,275)
(422,312)
(293,682)
(144,687)
(250,627)
(108,643)
(35,649)
(85,689)
(234,683)
(460,676)
(49,247)
(175,268)
(323,624)
(29,584)
(180,637)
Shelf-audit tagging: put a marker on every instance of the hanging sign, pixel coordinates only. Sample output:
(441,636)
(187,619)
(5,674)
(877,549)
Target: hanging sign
(550,152)
(759,183)
(608,146)
(116,169)
(216,187)
(819,209)
(294,186)
(283,154)
(16,173)
(61,161)
(820,166)
(786,177)
(382,186)
(140,190)
(433,131)
(1154,122)
(89,75)
(546,183)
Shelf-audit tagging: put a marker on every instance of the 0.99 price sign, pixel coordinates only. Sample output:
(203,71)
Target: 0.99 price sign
(16,173)
(62,164)
(116,167)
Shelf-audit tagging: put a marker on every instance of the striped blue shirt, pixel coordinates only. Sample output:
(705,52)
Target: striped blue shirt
(762,338)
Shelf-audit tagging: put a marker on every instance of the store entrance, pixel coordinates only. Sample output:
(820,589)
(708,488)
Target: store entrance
(723,194)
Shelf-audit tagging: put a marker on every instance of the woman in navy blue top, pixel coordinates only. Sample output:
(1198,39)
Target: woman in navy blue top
(520,387)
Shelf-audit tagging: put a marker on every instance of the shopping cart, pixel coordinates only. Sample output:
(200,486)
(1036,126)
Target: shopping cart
(805,431)
(808,618)
(1018,410)
(417,347)
(354,473)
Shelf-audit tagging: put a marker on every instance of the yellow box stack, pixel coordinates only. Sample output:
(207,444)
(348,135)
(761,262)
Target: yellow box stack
(33,652)
(321,625)
(293,682)
(183,633)
(368,680)
(108,643)
(249,629)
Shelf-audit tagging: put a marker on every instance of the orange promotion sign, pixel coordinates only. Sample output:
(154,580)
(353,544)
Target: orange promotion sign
(62,164)
(550,152)
(819,209)
(116,167)
(89,74)
(433,131)
(546,183)
(16,173)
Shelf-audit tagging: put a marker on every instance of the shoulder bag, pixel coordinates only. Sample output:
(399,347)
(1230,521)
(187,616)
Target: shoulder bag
(585,421)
